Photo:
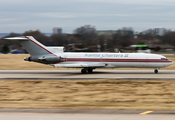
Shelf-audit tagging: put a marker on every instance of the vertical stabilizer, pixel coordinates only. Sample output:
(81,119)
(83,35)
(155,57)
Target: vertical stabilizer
(32,46)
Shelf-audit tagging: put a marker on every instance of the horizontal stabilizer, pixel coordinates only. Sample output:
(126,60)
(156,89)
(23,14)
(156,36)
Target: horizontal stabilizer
(80,65)
(17,38)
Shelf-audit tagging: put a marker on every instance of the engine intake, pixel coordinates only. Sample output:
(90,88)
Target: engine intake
(27,59)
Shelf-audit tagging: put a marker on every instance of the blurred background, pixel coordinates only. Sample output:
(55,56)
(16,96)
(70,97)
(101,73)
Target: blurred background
(146,26)
(87,39)
(90,25)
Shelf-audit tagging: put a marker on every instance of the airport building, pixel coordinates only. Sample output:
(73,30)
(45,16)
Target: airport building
(57,30)
(159,31)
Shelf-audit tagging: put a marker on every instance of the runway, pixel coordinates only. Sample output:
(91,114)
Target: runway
(46,116)
(75,74)
(52,114)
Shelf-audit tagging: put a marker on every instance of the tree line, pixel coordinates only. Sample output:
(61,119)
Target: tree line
(86,36)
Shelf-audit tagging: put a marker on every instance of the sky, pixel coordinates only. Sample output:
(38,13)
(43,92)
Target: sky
(22,15)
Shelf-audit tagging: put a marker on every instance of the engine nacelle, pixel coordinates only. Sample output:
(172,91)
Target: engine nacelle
(44,58)
(50,58)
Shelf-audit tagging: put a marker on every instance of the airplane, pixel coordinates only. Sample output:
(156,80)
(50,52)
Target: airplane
(55,56)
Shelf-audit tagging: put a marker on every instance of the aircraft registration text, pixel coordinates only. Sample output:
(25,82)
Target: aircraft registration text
(106,55)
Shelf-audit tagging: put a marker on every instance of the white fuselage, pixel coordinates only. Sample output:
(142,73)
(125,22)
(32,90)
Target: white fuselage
(88,61)
(114,60)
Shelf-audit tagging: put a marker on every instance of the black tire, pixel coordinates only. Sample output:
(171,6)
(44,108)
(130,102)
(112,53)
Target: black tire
(156,71)
(90,70)
(83,71)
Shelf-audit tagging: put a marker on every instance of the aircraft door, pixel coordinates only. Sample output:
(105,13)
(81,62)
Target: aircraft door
(148,64)
(140,62)
(151,61)
(64,59)
(101,59)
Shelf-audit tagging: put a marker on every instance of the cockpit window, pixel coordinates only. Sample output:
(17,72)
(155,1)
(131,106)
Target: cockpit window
(164,59)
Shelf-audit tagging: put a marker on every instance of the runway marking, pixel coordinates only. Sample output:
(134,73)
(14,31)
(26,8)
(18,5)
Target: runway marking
(146,112)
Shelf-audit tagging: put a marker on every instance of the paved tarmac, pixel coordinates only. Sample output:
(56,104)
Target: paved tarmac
(45,114)
(71,74)
(84,111)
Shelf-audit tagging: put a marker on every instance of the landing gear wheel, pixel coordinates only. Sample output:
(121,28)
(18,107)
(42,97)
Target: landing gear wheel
(83,71)
(90,70)
(156,71)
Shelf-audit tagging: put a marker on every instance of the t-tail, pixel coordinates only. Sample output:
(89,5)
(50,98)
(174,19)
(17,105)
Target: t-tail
(39,52)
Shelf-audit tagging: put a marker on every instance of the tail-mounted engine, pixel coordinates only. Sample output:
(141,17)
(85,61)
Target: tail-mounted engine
(44,58)
(50,59)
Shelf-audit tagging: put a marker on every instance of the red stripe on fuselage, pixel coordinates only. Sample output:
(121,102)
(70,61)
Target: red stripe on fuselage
(41,46)
(115,60)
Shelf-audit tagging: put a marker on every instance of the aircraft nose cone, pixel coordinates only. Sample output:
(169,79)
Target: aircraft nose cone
(171,63)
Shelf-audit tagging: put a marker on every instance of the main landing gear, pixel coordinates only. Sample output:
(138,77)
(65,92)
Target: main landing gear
(89,70)
(156,70)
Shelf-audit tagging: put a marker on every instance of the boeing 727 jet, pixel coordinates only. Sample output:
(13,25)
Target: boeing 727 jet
(56,57)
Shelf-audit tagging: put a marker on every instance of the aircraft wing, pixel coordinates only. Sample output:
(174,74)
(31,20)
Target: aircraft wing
(96,65)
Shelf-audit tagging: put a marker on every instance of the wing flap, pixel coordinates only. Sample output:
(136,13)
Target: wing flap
(81,65)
